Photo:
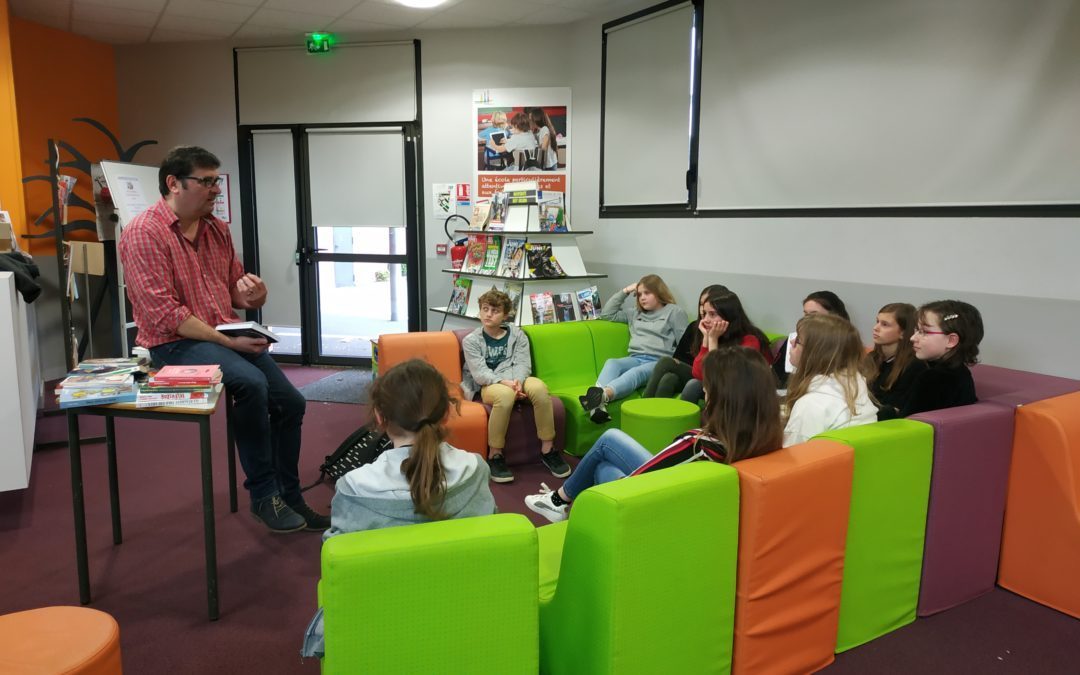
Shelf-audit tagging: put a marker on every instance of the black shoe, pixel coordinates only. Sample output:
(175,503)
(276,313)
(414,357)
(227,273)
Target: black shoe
(600,416)
(555,464)
(276,514)
(500,473)
(593,398)
(315,521)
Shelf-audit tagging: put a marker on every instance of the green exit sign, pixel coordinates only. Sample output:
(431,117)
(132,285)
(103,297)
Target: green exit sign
(319,43)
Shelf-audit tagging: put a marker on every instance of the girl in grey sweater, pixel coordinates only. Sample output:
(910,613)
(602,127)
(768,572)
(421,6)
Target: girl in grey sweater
(656,323)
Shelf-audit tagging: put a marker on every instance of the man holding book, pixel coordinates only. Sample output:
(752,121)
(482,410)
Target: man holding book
(183,278)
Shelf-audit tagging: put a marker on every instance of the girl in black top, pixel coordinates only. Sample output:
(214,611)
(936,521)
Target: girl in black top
(891,368)
(818,302)
(947,340)
(673,372)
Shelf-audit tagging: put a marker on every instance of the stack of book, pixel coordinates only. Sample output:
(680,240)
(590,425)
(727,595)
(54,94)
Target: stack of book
(101,382)
(181,387)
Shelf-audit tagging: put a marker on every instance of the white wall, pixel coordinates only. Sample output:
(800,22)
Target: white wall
(1018,271)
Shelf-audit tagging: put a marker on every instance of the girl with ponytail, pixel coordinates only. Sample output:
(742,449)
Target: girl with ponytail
(422,478)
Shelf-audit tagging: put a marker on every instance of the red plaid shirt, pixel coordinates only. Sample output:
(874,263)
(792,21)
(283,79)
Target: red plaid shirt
(169,278)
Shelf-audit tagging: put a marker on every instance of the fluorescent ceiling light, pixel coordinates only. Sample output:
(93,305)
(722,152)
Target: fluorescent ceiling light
(421,4)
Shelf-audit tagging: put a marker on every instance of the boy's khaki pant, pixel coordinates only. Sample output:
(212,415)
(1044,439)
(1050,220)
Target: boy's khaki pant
(501,399)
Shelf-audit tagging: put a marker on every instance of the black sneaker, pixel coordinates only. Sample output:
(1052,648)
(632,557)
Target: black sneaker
(500,473)
(600,416)
(276,514)
(315,521)
(555,464)
(593,398)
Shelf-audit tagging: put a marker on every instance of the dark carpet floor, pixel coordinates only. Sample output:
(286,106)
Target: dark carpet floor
(345,386)
(154,583)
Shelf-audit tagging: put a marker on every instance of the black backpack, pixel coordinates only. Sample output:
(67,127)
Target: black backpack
(362,447)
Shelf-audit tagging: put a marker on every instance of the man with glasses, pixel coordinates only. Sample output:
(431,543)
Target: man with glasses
(183,278)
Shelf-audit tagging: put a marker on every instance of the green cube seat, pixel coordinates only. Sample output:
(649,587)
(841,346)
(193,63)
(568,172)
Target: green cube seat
(654,422)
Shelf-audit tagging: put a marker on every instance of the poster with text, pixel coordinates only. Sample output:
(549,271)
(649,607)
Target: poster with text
(521,135)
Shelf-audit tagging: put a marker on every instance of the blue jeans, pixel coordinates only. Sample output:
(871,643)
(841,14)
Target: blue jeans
(267,413)
(613,456)
(626,374)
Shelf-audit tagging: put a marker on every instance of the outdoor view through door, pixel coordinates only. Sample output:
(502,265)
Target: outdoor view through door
(334,237)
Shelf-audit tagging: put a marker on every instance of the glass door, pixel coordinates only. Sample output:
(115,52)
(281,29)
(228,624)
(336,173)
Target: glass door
(335,232)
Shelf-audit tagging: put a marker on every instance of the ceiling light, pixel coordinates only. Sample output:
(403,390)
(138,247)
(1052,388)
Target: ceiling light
(421,4)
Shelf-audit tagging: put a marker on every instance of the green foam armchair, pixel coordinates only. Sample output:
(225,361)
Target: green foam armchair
(641,578)
(454,596)
(886,527)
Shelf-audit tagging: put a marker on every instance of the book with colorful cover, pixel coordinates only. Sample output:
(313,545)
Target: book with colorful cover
(82,380)
(182,375)
(498,211)
(475,251)
(513,255)
(514,289)
(252,329)
(542,263)
(589,303)
(491,254)
(202,398)
(564,307)
(553,212)
(75,398)
(543,308)
(481,213)
(459,296)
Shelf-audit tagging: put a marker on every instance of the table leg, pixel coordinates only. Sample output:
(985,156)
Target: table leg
(208,518)
(114,480)
(231,449)
(75,453)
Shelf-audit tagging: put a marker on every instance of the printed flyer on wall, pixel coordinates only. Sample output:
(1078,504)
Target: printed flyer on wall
(521,134)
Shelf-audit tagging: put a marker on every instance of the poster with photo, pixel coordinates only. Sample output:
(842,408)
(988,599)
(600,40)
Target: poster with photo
(521,134)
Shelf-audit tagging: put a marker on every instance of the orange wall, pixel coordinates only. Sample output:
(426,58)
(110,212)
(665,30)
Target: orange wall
(11,190)
(59,76)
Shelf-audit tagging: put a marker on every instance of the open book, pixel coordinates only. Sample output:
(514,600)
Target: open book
(247,329)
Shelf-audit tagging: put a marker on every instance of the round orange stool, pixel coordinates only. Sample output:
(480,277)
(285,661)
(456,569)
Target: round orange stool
(59,640)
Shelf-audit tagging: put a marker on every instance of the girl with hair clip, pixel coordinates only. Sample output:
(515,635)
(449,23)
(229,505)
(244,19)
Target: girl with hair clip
(741,420)
(656,323)
(818,302)
(724,323)
(672,373)
(420,479)
(826,391)
(946,339)
(546,138)
(891,367)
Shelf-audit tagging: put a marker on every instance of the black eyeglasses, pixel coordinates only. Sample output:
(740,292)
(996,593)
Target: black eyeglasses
(207,181)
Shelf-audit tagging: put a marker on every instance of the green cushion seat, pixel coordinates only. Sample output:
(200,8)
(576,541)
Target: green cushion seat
(886,527)
(654,422)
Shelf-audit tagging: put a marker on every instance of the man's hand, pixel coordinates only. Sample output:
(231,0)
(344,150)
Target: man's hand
(249,345)
(249,293)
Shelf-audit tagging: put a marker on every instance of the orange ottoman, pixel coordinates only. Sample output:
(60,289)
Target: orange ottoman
(466,428)
(793,521)
(1040,546)
(59,640)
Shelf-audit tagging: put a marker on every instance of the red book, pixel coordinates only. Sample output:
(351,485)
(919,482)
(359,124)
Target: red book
(183,375)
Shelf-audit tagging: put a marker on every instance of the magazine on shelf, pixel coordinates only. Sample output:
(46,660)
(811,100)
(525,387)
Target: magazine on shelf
(480,214)
(459,296)
(513,255)
(552,218)
(252,329)
(564,307)
(589,303)
(491,254)
(543,308)
(522,197)
(542,263)
(476,249)
(498,211)
(515,289)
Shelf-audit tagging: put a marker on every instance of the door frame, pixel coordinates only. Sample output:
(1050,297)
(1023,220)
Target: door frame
(307,257)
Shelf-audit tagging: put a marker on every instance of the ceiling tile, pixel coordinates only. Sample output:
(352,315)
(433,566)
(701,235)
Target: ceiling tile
(207,9)
(393,15)
(353,26)
(55,13)
(101,15)
(165,35)
(152,6)
(551,15)
(187,24)
(274,18)
(111,32)
(448,20)
(334,8)
(248,30)
(247,3)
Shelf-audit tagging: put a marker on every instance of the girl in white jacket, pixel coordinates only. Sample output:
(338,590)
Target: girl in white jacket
(826,391)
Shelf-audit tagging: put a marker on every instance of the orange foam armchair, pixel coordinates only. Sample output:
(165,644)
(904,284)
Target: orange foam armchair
(468,427)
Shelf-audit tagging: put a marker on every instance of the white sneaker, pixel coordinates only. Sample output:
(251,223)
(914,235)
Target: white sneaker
(543,505)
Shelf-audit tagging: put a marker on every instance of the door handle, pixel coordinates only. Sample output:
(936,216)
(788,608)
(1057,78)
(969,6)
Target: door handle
(303,254)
